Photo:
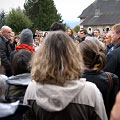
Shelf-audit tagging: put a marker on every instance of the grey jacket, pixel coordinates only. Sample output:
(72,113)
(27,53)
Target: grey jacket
(17,86)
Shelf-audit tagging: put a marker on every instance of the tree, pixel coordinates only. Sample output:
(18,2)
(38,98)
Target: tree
(17,20)
(2,18)
(42,13)
(76,28)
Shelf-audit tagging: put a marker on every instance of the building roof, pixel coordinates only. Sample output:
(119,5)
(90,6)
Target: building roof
(109,13)
(104,19)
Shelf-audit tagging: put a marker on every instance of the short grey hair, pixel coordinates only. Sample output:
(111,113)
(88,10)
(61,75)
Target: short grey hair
(93,39)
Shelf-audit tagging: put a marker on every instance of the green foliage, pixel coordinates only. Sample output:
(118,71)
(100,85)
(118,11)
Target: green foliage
(67,27)
(76,28)
(18,21)
(2,18)
(42,13)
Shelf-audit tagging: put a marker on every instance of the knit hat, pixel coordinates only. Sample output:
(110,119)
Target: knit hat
(26,37)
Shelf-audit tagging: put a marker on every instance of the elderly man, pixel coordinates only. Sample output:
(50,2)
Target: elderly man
(109,45)
(113,58)
(5,49)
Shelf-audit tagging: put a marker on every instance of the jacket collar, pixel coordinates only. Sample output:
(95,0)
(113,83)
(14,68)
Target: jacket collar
(21,79)
(118,45)
(110,46)
(4,38)
(91,72)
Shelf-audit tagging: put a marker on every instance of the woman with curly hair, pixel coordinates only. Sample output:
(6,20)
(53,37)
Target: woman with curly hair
(57,91)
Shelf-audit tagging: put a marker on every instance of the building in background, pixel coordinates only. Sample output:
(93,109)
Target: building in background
(101,14)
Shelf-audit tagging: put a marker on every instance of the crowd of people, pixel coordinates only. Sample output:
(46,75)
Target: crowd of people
(60,74)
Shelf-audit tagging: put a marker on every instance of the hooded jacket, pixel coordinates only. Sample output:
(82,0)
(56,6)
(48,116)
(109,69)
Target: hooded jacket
(77,99)
(17,86)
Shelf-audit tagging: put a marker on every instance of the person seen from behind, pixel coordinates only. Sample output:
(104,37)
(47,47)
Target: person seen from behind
(57,90)
(9,111)
(18,83)
(57,26)
(26,43)
(94,63)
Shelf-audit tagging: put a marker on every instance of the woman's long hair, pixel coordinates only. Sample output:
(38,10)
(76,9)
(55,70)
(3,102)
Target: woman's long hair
(57,60)
(92,57)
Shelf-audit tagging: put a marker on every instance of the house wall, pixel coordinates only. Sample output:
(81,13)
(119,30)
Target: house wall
(81,20)
(101,28)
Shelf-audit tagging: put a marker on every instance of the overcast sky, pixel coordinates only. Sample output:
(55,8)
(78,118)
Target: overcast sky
(69,9)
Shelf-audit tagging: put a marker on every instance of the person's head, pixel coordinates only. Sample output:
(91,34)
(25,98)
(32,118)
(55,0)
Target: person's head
(13,34)
(92,58)
(96,32)
(45,34)
(108,39)
(20,62)
(75,34)
(26,37)
(116,34)
(93,39)
(41,39)
(83,33)
(36,41)
(6,31)
(77,41)
(104,34)
(57,60)
(40,33)
(11,39)
(70,32)
(57,26)
(16,38)
(36,30)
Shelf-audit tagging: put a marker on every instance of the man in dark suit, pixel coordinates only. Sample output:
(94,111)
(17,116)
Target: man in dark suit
(113,58)
(5,49)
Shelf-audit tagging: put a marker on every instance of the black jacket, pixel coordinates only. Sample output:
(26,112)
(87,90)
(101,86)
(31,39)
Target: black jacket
(102,82)
(113,61)
(5,51)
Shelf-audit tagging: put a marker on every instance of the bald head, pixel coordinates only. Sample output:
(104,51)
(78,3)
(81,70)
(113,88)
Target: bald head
(6,31)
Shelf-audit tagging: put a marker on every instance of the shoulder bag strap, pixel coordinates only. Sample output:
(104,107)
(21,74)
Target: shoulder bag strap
(110,80)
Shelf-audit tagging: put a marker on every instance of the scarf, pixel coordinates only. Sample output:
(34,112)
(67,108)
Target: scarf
(26,47)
